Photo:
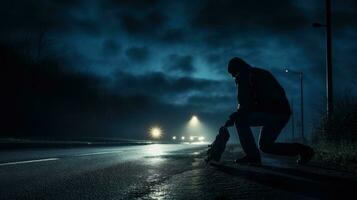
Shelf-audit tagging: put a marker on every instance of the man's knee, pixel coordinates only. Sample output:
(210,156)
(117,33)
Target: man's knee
(264,146)
(240,118)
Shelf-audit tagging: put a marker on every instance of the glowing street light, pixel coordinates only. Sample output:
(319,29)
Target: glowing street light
(155,132)
(174,137)
(182,138)
(201,138)
(191,138)
(194,122)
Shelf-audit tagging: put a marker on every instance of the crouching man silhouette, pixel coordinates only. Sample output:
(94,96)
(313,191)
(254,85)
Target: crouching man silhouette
(262,102)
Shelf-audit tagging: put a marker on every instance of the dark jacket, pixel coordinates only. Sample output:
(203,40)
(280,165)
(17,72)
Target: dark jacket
(259,91)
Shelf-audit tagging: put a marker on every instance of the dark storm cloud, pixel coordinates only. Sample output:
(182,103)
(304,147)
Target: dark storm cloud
(111,47)
(180,63)
(148,21)
(143,24)
(138,54)
(344,15)
(142,19)
(245,16)
(33,15)
(173,35)
(136,4)
(159,84)
(173,42)
(43,99)
(217,62)
(222,23)
(214,103)
(213,58)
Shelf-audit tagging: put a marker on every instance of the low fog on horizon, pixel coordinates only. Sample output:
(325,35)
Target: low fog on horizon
(116,68)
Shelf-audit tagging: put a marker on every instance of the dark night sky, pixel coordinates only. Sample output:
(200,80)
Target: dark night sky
(113,68)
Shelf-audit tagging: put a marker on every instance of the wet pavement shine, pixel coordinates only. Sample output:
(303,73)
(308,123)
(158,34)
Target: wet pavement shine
(160,171)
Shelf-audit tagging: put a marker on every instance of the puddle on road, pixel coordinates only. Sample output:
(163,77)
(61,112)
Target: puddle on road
(174,156)
(168,168)
(155,160)
(159,193)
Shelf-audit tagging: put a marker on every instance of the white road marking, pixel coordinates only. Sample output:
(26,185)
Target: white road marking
(52,159)
(28,161)
(98,153)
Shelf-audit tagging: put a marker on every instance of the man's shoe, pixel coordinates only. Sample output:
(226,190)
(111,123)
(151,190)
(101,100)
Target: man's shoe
(305,156)
(249,160)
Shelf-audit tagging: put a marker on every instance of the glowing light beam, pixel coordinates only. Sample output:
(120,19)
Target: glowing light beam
(194,122)
(156,132)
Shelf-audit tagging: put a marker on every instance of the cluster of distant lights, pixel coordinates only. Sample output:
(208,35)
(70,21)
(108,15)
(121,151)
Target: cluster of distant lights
(156,132)
(192,138)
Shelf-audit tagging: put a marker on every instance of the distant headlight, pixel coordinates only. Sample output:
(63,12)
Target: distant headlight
(156,132)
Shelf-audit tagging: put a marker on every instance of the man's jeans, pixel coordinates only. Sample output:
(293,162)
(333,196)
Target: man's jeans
(272,124)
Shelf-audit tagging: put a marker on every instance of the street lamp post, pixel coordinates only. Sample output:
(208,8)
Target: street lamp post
(329,59)
(329,86)
(292,120)
(302,105)
(301,99)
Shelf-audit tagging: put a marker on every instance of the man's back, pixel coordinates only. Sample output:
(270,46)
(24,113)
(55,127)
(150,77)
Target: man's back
(267,95)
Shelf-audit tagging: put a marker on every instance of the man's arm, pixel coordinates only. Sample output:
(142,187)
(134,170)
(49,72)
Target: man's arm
(244,97)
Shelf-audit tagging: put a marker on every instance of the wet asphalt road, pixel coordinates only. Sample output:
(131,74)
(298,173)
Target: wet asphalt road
(158,171)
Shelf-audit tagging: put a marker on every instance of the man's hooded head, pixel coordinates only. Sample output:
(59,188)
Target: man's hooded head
(236,66)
